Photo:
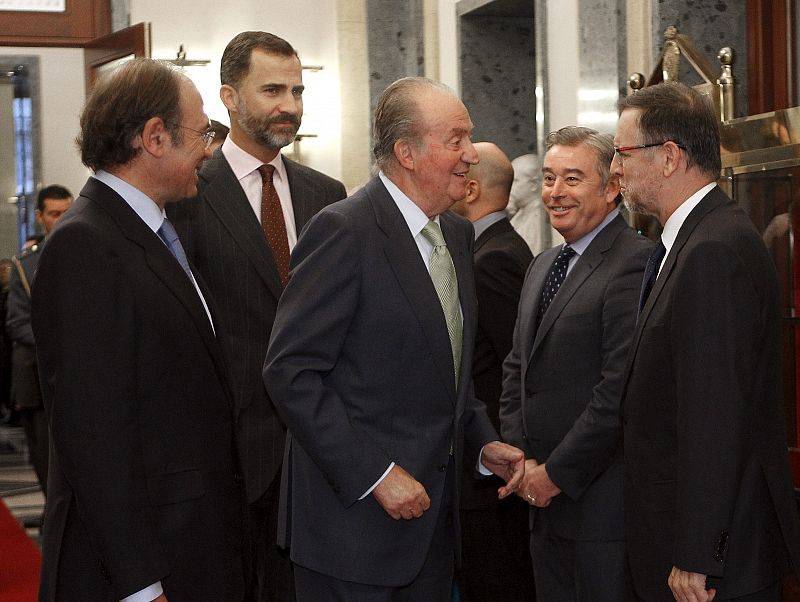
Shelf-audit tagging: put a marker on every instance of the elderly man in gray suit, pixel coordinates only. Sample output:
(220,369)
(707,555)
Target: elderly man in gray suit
(238,233)
(370,365)
(563,378)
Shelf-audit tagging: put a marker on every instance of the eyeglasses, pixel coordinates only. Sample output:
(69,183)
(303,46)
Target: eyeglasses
(208,135)
(623,151)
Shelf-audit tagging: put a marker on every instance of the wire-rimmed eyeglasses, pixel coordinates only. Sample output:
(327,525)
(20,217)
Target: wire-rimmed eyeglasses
(208,135)
(623,152)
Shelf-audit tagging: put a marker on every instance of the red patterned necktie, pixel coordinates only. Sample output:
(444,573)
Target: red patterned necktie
(273,223)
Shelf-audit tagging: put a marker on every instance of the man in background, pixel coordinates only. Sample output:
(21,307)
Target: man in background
(709,508)
(145,502)
(563,378)
(51,204)
(238,233)
(496,563)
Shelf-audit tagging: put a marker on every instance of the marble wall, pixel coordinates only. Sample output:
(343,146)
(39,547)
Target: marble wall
(498,80)
(711,24)
(395,43)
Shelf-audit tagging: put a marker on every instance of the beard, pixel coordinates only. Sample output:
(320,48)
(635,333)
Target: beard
(259,129)
(635,203)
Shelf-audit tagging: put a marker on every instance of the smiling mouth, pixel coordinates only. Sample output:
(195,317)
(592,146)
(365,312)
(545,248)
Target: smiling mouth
(559,208)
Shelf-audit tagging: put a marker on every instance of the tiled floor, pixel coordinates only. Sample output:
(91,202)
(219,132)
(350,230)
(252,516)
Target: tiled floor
(18,486)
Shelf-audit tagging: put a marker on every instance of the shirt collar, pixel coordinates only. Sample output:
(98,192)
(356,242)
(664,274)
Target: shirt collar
(145,207)
(243,163)
(675,221)
(583,243)
(490,219)
(414,216)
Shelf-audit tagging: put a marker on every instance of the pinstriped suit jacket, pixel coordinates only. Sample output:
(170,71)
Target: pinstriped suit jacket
(225,243)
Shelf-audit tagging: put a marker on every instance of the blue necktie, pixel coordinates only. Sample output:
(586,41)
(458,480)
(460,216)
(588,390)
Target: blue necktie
(651,272)
(167,233)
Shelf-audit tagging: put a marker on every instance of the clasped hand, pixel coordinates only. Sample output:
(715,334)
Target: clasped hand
(537,489)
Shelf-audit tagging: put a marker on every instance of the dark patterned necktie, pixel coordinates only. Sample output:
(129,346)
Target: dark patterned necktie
(651,272)
(273,223)
(554,279)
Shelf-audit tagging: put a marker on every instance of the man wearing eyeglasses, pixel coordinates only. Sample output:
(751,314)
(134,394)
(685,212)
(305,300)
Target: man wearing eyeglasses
(145,502)
(708,502)
(238,232)
(562,379)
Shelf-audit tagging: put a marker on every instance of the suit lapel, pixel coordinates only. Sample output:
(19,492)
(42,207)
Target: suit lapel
(710,202)
(404,258)
(587,263)
(534,284)
(158,258)
(227,200)
(301,191)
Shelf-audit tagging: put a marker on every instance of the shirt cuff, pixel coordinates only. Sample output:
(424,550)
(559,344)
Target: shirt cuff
(378,482)
(146,595)
(481,468)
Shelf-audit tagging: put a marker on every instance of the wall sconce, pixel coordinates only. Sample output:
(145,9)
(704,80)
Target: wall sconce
(181,61)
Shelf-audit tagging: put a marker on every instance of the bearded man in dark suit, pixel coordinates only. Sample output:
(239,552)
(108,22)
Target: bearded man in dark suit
(709,510)
(240,244)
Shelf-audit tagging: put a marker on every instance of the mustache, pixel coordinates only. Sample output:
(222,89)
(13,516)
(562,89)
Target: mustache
(283,118)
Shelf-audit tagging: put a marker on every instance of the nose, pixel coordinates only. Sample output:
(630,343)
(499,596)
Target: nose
(616,165)
(291,104)
(557,189)
(470,155)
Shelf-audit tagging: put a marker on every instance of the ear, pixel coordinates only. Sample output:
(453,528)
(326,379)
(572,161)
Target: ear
(404,153)
(154,137)
(612,188)
(229,97)
(672,158)
(473,191)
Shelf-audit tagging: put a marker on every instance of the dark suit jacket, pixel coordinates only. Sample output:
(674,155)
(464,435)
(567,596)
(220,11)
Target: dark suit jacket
(501,259)
(224,241)
(706,469)
(25,391)
(563,380)
(142,474)
(361,369)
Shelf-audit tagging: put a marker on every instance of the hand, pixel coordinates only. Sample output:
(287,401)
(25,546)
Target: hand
(537,489)
(401,495)
(689,587)
(506,462)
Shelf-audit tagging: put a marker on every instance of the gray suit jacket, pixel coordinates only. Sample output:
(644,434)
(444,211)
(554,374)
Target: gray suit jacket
(226,245)
(361,369)
(563,380)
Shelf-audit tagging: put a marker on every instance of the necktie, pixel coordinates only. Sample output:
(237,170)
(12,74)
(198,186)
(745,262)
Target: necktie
(555,278)
(651,272)
(273,223)
(443,274)
(167,233)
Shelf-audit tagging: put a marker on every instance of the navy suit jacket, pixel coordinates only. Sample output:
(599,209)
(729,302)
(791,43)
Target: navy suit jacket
(361,369)
(224,241)
(563,380)
(142,484)
(707,485)
(501,259)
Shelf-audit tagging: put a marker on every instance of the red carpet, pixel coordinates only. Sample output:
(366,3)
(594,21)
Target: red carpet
(20,561)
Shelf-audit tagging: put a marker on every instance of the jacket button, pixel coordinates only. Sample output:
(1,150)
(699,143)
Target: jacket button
(442,468)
